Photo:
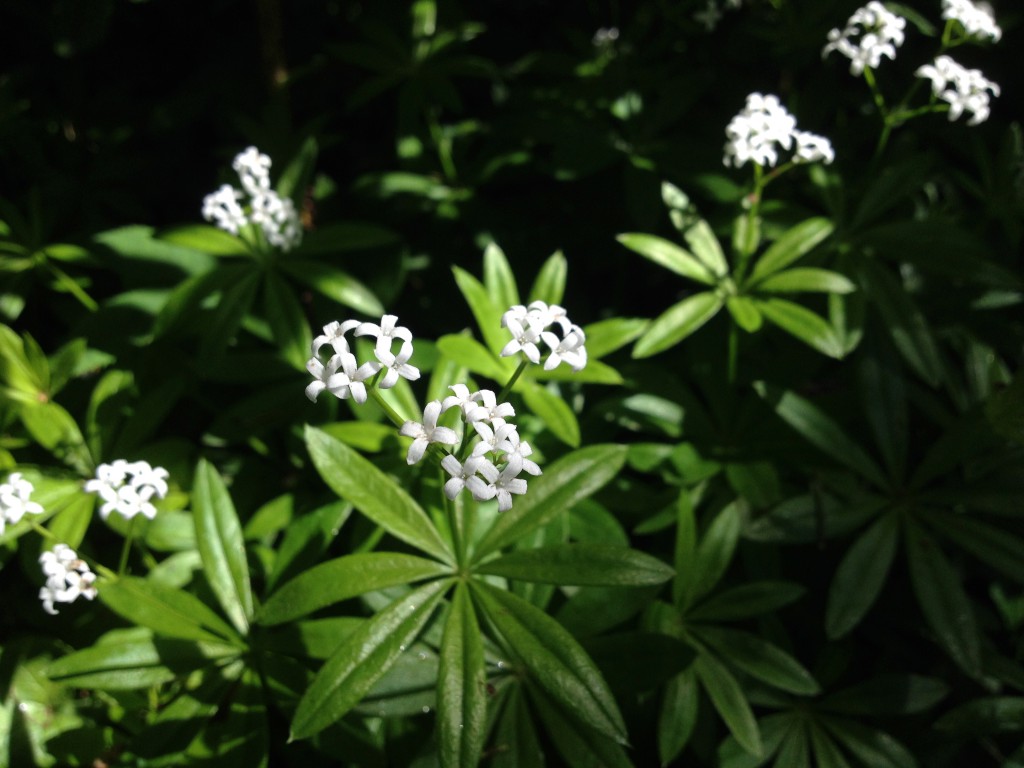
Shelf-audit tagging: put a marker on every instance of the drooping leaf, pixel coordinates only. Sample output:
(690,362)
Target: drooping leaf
(759,658)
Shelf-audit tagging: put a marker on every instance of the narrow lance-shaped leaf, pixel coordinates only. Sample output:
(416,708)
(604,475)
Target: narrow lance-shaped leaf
(554,412)
(707,248)
(792,245)
(461,686)
(677,322)
(802,323)
(861,576)
(678,715)
(486,312)
(550,283)
(222,546)
(805,279)
(498,278)
(363,658)
(759,658)
(715,550)
(728,699)
(582,564)
(669,255)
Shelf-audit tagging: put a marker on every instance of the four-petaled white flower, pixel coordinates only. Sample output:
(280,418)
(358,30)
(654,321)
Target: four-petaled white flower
(969,92)
(870,33)
(488,409)
(812,148)
(253,169)
(68,577)
(524,339)
(396,365)
(462,398)
(467,476)
(569,349)
(343,384)
(530,325)
(509,482)
(222,208)
(492,435)
(15,501)
(977,20)
(128,487)
(513,446)
(334,334)
(388,330)
(427,432)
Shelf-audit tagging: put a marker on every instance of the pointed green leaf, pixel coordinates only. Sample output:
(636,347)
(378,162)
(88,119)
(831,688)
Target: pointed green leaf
(550,283)
(747,600)
(893,694)
(461,686)
(989,715)
(554,412)
(728,699)
(333,283)
(669,255)
(861,576)
(706,248)
(996,547)
(555,660)
(222,545)
(499,280)
(826,753)
(232,307)
(678,715)
(485,310)
(685,550)
(606,336)
(287,320)
(515,738)
(792,245)
(803,279)
(567,481)
(580,564)
(579,746)
(715,550)
(869,745)
(474,356)
(373,493)
(745,312)
(760,659)
(362,658)
(677,322)
(205,238)
(805,325)
(343,578)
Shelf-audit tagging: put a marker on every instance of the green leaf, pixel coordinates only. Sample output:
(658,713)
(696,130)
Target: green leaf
(800,322)
(471,354)
(555,660)
(677,322)
(990,715)
(54,429)
(343,578)
(297,175)
(684,554)
(554,412)
(232,307)
(568,480)
(715,550)
(487,314)
(747,600)
(205,238)
(678,715)
(222,545)
(728,699)
(287,321)
(745,312)
(800,279)
(885,403)
(792,245)
(165,610)
(707,249)
(581,564)
(759,658)
(549,286)
(138,243)
(306,539)
(580,746)
(498,278)
(362,658)
(669,255)
(943,600)
(995,547)
(515,739)
(821,431)
(373,493)
(461,686)
(606,336)
(826,753)
(746,234)
(894,694)
(869,745)
(774,730)
(333,283)
(861,576)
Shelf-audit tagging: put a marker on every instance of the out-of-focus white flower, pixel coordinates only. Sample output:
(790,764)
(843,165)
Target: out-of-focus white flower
(977,20)
(870,33)
(253,169)
(969,92)
(126,487)
(222,208)
(68,577)
(761,129)
(277,219)
(427,432)
(529,325)
(15,501)
(812,148)
(605,36)
(344,383)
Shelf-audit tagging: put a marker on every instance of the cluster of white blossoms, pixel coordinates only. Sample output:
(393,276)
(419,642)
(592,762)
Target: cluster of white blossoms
(976,20)
(68,577)
(127,487)
(499,457)
(342,376)
(964,89)
(529,325)
(763,127)
(870,33)
(15,500)
(274,215)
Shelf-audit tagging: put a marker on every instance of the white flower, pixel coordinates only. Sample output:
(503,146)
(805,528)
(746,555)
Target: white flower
(277,218)
(492,435)
(343,384)
(334,334)
(812,148)
(977,20)
(462,398)
(14,500)
(127,487)
(529,325)
(253,169)
(465,476)
(870,33)
(427,432)
(508,483)
(396,365)
(67,577)
(386,332)
(513,446)
(524,339)
(757,130)
(569,349)
(489,408)
(969,92)
(222,208)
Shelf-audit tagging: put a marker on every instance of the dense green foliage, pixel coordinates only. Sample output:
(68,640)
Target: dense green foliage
(780,519)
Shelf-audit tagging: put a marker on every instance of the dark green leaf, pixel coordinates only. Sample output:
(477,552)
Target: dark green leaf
(746,600)
(580,564)
(715,550)
(992,715)
(580,746)
(861,576)
(287,321)
(165,610)
(994,546)
(461,686)
(728,699)
(759,658)
(677,322)
(888,695)
(804,324)
(334,284)
(678,715)
(872,747)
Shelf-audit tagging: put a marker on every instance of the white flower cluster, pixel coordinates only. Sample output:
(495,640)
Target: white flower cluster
(970,89)
(870,33)
(529,325)
(764,126)
(976,20)
(274,215)
(68,577)
(126,487)
(493,467)
(15,500)
(342,376)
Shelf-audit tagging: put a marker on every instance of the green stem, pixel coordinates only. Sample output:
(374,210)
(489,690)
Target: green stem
(752,213)
(512,381)
(453,521)
(734,346)
(123,563)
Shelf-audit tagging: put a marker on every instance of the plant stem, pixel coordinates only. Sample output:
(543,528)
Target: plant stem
(126,548)
(734,346)
(511,382)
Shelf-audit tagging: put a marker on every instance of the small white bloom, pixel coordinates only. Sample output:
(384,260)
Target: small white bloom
(977,20)
(870,33)
(68,577)
(466,476)
(334,334)
(812,148)
(524,339)
(253,169)
(462,398)
(397,365)
(489,408)
(568,349)
(969,92)
(223,210)
(427,432)
(757,132)
(492,435)
(15,501)
(128,487)
(386,332)
(508,483)
(277,218)
(343,384)
(513,446)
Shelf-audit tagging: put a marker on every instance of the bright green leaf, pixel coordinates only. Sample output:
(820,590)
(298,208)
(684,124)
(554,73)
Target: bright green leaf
(669,255)
(677,322)
(792,245)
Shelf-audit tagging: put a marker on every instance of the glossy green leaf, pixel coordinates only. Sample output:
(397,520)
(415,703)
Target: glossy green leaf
(804,324)
(205,238)
(56,430)
(943,600)
(461,686)
(565,482)
(893,694)
(715,550)
(165,610)
(343,578)
(333,283)
(373,493)
(499,280)
(791,246)
(485,310)
(759,658)
(684,554)
(728,699)
(222,545)
(706,248)
(554,412)
(795,749)
(555,660)
(805,279)
(362,658)
(550,283)
(138,243)
(669,255)
(677,322)
(753,599)
(744,312)
(581,564)
(678,715)
(515,738)
(306,539)
(746,234)
(774,729)
(474,356)
(579,746)
(861,576)
(223,325)
(287,321)
(606,336)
